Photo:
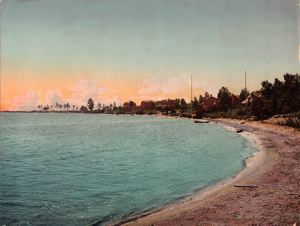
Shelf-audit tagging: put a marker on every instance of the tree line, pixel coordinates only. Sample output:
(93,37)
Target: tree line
(279,97)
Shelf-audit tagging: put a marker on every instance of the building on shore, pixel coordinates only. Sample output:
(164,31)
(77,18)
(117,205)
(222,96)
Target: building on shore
(210,103)
(167,105)
(129,106)
(147,105)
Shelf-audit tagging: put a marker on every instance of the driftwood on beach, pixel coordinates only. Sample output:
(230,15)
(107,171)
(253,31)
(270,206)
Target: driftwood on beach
(245,186)
(201,121)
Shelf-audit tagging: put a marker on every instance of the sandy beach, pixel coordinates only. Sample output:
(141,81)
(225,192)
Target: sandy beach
(265,192)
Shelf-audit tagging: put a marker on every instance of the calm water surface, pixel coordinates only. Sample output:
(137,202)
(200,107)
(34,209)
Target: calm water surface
(75,169)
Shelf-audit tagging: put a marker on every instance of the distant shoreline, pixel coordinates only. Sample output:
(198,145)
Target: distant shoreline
(248,197)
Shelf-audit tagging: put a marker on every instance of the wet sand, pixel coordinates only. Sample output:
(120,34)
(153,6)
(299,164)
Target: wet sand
(265,192)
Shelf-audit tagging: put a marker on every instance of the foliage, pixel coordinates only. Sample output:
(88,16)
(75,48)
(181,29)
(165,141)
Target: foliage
(223,99)
(177,103)
(83,109)
(258,107)
(201,99)
(278,98)
(99,106)
(132,104)
(90,104)
(46,108)
(67,106)
(195,103)
(244,94)
(183,104)
(199,111)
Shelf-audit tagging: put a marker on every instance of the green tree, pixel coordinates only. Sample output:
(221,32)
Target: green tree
(90,104)
(177,103)
(279,97)
(207,95)
(282,97)
(244,94)
(277,101)
(99,106)
(258,107)
(266,89)
(201,99)
(67,106)
(195,103)
(183,104)
(224,99)
(291,93)
(46,108)
(83,109)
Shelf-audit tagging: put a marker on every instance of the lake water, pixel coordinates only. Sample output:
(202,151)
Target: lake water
(75,169)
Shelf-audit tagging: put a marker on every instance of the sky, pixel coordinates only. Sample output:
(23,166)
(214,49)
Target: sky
(118,50)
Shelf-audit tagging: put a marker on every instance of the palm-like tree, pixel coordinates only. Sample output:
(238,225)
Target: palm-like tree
(99,106)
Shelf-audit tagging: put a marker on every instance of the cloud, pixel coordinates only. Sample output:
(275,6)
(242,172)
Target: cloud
(153,88)
(160,87)
(53,96)
(80,92)
(85,89)
(26,102)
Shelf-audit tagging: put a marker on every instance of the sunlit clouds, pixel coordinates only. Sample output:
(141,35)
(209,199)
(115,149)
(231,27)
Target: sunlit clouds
(109,91)
(25,102)
(53,96)
(115,51)
(163,87)
(84,89)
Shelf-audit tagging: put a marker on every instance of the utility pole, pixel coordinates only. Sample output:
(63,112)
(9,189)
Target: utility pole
(245,80)
(191,94)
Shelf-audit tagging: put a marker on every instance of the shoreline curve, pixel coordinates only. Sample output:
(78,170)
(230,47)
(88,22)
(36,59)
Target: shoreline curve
(211,204)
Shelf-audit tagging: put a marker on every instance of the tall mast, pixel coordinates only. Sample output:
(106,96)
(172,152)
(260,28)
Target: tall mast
(191,93)
(245,80)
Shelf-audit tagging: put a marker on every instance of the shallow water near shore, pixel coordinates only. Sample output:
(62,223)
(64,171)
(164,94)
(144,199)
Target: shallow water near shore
(75,169)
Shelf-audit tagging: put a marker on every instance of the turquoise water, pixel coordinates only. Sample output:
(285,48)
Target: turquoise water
(75,169)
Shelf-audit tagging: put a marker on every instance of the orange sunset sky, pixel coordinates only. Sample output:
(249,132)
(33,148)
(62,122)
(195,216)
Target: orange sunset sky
(67,51)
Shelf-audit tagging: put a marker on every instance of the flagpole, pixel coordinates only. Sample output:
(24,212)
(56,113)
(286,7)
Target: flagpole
(191,94)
